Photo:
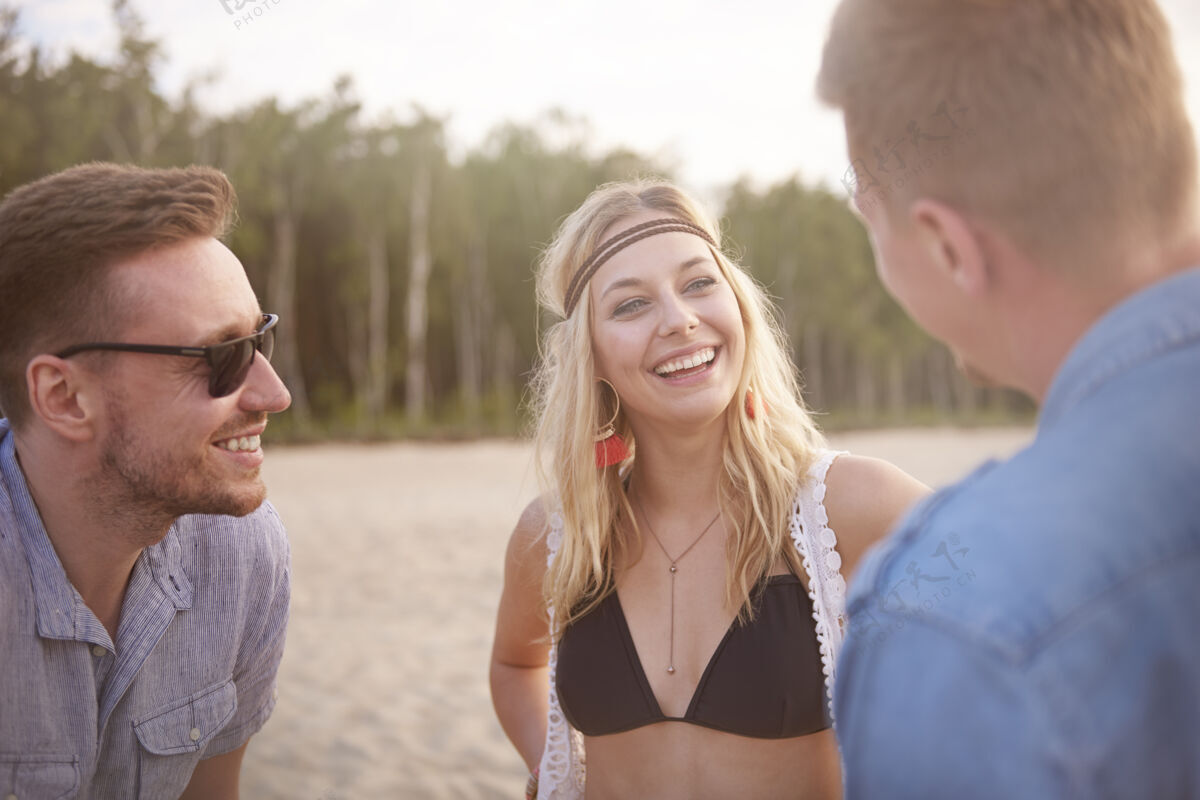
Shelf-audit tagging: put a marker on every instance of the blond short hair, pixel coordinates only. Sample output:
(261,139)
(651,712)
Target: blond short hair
(59,237)
(1064,119)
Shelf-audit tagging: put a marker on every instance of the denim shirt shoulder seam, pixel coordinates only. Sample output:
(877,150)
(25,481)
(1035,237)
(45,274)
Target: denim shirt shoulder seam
(1118,363)
(1155,320)
(1011,656)
(1116,592)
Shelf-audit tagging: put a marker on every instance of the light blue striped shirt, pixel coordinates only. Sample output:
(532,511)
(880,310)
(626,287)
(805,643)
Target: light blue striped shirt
(192,674)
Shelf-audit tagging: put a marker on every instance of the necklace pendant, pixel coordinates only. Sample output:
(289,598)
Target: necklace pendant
(670,670)
(673,568)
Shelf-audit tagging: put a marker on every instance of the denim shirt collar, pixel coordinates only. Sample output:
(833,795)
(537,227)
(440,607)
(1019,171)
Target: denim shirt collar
(61,612)
(1160,317)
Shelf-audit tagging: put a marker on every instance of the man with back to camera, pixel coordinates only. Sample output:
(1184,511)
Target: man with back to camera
(1028,176)
(144,581)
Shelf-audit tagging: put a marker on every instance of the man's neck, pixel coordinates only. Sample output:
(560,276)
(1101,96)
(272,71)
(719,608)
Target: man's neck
(97,543)
(1047,322)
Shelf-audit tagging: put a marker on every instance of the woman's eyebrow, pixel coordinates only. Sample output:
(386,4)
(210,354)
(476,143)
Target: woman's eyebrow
(625,282)
(621,284)
(693,261)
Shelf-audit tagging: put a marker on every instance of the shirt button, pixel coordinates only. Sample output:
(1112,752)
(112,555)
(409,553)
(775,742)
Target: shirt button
(98,651)
(195,734)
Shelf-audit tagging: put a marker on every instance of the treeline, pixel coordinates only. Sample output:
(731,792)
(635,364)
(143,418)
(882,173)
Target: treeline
(404,276)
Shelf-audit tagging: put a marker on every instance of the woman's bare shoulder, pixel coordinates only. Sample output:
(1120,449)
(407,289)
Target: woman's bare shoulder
(864,498)
(529,535)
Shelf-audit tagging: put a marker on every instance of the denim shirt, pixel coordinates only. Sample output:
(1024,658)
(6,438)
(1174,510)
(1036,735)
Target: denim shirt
(191,674)
(1034,631)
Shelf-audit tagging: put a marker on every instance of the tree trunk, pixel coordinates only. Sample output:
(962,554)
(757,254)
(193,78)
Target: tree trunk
(864,387)
(966,396)
(418,283)
(148,130)
(281,295)
(839,395)
(939,383)
(147,133)
(504,365)
(785,288)
(356,361)
(896,404)
(378,295)
(814,375)
(471,318)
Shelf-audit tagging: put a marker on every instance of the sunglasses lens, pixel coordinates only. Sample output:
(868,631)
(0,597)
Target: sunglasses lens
(231,363)
(267,345)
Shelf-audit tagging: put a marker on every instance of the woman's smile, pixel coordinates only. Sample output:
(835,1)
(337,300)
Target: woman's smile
(687,365)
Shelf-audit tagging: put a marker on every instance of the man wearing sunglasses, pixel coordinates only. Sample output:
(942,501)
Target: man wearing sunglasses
(144,582)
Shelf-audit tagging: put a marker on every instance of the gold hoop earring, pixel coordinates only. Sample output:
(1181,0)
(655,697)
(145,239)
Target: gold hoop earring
(610,447)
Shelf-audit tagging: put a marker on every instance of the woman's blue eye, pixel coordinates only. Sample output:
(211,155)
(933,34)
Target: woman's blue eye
(628,307)
(701,283)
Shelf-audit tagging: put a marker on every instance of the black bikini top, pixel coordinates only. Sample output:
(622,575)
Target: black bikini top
(764,680)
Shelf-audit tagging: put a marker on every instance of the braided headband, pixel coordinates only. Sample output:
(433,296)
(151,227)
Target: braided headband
(619,242)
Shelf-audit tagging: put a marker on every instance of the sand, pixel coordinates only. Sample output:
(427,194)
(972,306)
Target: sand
(397,562)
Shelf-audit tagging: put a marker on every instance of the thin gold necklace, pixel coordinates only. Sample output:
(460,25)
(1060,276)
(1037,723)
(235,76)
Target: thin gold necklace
(673,570)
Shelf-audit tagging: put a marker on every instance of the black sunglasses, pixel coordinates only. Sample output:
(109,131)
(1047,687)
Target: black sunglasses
(229,362)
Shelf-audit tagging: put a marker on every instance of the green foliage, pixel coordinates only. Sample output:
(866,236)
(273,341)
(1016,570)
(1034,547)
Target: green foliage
(328,205)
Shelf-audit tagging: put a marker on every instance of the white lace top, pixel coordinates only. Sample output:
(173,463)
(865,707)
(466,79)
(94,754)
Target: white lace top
(563,768)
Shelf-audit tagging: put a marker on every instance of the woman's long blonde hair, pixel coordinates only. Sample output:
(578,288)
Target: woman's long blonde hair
(765,457)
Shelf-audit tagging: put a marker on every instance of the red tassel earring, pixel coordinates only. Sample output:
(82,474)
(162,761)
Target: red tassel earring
(610,447)
(750,412)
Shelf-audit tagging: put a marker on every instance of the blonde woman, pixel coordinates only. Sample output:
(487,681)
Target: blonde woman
(672,606)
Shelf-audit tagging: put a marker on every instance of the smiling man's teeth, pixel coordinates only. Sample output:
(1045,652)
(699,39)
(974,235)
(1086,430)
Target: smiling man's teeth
(240,443)
(687,362)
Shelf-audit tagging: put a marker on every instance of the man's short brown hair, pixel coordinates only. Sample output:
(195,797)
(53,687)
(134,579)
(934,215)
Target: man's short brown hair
(1062,121)
(60,234)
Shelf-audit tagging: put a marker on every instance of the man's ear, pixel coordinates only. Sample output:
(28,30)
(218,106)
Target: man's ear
(63,396)
(951,244)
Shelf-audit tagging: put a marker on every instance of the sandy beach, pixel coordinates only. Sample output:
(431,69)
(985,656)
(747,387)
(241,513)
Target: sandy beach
(397,562)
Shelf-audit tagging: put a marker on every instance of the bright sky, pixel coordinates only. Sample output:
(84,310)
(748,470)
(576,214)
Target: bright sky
(717,89)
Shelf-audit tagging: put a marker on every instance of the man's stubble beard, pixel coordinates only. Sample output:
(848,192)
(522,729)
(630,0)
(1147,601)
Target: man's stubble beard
(147,489)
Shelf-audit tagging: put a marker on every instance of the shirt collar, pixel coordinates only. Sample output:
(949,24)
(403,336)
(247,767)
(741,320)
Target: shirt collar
(60,608)
(1160,317)
(54,596)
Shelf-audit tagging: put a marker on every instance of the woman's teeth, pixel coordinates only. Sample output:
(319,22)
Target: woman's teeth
(699,358)
(240,443)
